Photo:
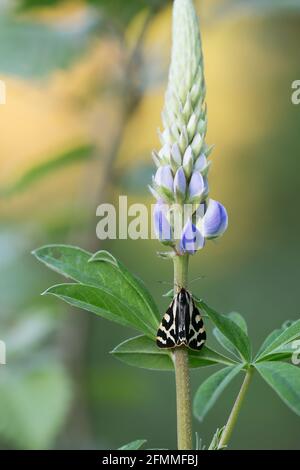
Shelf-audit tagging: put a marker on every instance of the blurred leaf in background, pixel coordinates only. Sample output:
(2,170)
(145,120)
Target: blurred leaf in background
(33,49)
(35,388)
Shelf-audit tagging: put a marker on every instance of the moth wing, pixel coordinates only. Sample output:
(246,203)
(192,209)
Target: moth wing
(197,334)
(166,334)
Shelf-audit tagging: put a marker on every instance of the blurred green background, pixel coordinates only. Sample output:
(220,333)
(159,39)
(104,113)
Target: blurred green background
(85,84)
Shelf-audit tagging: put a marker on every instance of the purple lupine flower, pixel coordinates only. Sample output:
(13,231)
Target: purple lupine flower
(181,179)
(197,187)
(199,213)
(180,184)
(215,220)
(162,225)
(191,239)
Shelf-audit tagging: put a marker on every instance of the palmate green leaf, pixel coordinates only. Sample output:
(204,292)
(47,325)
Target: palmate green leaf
(210,390)
(279,338)
(240,321)
(100,269)
(282,353)
(103,303)
(269,339)
(142,351)
(285,381)
(234,333)
(273,335)
(68,157)
(136,285)
(134,445)
(105,286)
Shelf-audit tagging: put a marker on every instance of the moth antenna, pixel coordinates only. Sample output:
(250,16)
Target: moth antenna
(165,282)
(170,284)
(197,279)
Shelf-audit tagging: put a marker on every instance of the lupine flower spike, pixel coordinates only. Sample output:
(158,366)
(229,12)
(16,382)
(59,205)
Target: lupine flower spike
(182,162)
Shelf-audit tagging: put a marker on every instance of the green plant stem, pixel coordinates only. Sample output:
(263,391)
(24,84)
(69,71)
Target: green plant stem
(226,435)
(182,373)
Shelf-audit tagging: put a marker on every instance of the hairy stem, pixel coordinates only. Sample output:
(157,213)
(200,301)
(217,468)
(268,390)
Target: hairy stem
(226,435)
(182,373)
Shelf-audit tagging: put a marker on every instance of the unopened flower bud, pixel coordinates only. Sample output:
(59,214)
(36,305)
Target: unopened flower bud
(191,127)
(176,154)
(164,178)
(191,239)
(188,162)
(215,220)
(197,187)
(162,225)
(180,185)
(202,164)
(197,144)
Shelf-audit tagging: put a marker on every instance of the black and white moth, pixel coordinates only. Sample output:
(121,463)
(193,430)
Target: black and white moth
(181,324)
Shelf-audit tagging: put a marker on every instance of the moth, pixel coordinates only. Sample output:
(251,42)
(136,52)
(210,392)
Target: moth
(181,324)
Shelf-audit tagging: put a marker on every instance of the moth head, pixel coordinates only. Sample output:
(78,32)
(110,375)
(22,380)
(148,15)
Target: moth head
(183,296)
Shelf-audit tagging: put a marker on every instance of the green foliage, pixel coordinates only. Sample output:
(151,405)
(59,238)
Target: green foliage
(123,12)
(239,320)
(231,330)
(232,334)
(103,303)
(222,339)
(118,11)
(104,287)
(33,50)
(215,443)
(35,390)
(142,351)
(278,339)
(279,354)
(28,4)
(69,157)
(33,405)
(134,445)
(210,390)
(285,381)
(29,332)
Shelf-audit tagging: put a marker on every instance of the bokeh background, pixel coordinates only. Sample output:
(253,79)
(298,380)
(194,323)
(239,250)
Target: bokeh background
(85,82)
